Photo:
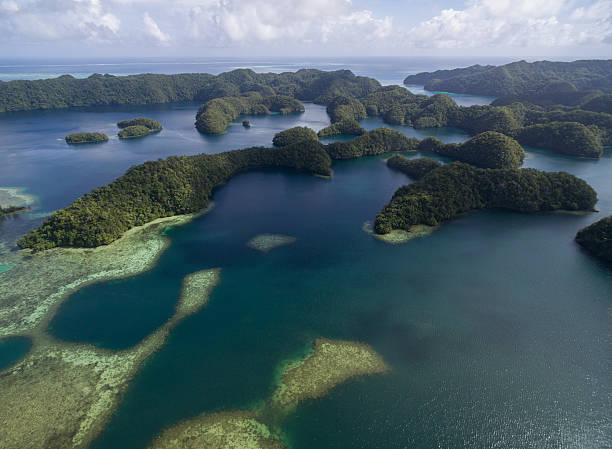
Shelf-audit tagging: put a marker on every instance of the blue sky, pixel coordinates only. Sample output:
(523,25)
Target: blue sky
(184,28)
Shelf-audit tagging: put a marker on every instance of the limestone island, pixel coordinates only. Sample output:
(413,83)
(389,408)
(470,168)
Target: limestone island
(78,138)
(268,242)
(153,125)
(597,239)
(246,123)
(457,188)
(134,132)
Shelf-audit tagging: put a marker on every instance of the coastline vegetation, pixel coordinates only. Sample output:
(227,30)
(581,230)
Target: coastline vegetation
(597,239)
(457,188)
(78,138)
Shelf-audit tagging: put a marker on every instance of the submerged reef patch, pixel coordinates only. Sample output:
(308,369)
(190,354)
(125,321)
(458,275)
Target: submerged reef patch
(62,394)
(399,236)
(330,363)
(237,430)
(267,242)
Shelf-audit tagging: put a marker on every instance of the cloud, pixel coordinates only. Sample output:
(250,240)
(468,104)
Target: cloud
(513,23)
(32,20)
(288,22)
(153,30)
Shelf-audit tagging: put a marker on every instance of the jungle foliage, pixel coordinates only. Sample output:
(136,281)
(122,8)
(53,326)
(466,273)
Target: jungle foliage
(414,168)
(457,188)
(597,239)
(77,138)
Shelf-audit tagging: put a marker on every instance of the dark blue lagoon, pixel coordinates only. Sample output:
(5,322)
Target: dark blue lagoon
(13,349)
(497,327)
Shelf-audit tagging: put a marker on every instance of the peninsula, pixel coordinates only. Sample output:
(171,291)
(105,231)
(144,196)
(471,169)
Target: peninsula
(597,239)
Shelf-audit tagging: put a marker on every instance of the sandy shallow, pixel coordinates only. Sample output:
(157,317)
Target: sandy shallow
(399,236)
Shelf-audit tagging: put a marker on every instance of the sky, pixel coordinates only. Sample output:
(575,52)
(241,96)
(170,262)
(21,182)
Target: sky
(328,28)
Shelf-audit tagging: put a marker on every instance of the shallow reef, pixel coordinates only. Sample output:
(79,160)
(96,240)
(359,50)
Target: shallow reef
(330,363)
(62,394)
(15,197)
(268,242)
(326,365)
(233,430)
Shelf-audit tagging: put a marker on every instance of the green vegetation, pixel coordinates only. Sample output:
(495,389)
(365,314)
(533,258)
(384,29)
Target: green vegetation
(77,138)
(372,143)
(215,115)
(177,185)
(133,132)
(415,168)
(348,126)
(519,78)
(343,107)
(570,138)
(102,90)
(246,123)
(486,150)
(153,125)
(457,188)
(294,135)
(398,106)
(597,239)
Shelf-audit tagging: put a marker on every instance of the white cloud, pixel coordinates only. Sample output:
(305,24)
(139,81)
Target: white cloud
(29,20)
(285,22)
(153,30)
(513,23)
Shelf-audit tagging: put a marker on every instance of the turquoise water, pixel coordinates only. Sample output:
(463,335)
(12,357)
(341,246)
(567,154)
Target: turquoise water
(13,349)
(497,326)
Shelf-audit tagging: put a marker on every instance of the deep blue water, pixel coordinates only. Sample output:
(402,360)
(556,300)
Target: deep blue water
(13,349)
(497,326)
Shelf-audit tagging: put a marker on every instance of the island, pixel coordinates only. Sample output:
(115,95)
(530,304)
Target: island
(215,115)
(78,138)
(294,135)
(517,78)
(184,184)
(347,126)
(246,123)
(101,90)
(134,132)
(152,125)
(597,239)
(457,188)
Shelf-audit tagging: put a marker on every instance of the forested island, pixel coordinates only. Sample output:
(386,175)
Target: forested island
(78,138)
(152,125)
(597,239)
(518,78)
(103,90)
(215,115)
(184,184)
(134,132)
(451,190)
